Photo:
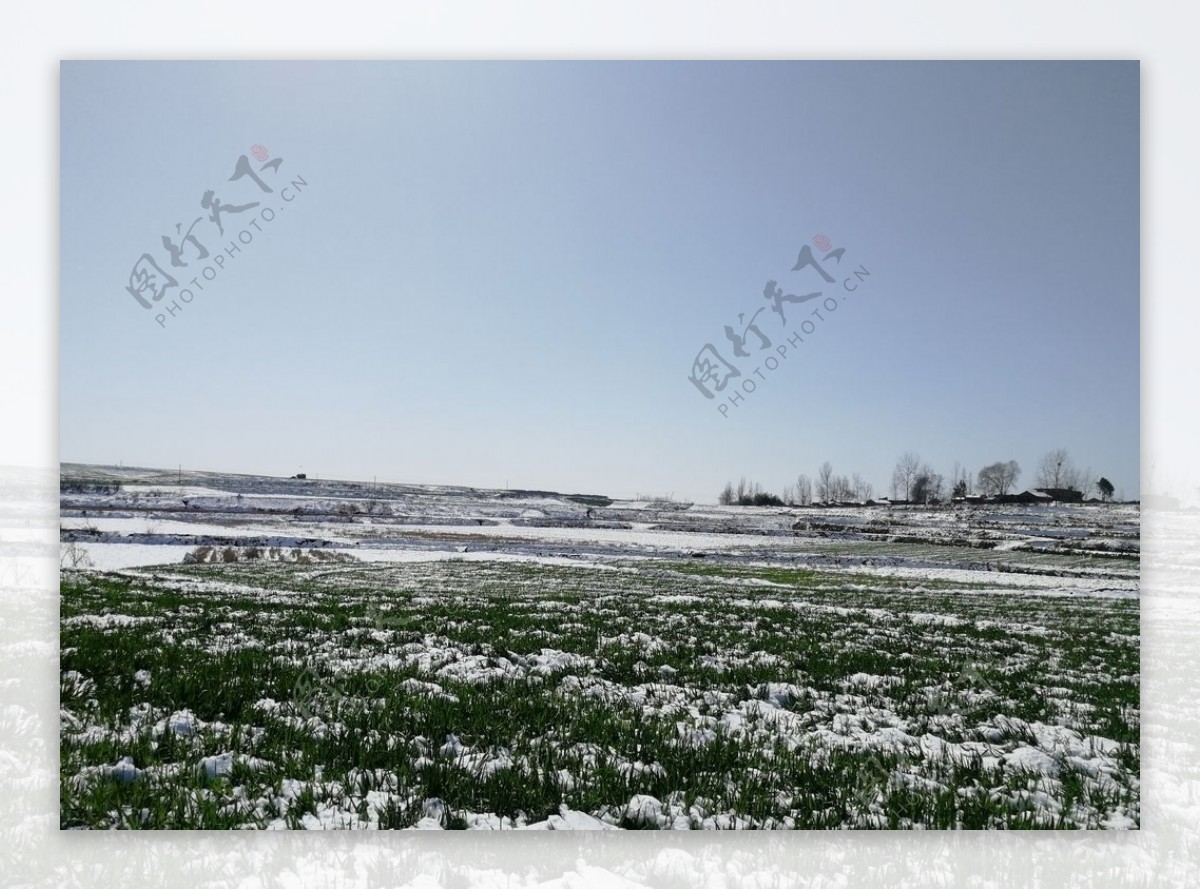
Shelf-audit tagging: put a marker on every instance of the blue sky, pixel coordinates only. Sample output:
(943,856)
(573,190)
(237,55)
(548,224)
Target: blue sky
(500,273)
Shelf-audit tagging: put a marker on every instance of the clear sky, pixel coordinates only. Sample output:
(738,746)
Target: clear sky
(501,273)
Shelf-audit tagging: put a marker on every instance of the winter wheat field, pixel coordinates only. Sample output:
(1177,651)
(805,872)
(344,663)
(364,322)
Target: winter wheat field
(255,652)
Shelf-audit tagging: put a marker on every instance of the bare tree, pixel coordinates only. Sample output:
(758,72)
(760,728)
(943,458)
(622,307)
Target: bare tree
(1083,482)
(905,472)
(843,490)
(1055,469)
(72,556)
(825,492)
(726,497)
(863,490)
(741,490)
(999,478)
(1009,477)
(961,483)
(927,486)
(804,490)
(920,489)
(989,479)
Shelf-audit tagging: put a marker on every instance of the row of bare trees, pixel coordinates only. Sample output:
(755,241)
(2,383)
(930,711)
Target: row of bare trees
(748,494)
(833,488)
(827,488)
(1057,470)
(916,482)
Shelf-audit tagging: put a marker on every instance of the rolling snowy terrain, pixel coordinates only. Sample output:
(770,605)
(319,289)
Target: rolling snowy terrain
(242,651)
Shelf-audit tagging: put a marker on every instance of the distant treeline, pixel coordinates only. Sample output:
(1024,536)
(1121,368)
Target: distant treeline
(915,482)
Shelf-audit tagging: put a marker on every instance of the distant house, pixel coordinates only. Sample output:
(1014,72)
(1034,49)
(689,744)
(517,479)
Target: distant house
(1025,497)
(1029,496)
(1041,496)
(300,476)
(1062,495)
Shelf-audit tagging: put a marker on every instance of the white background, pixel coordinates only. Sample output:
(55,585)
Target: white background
(32,41)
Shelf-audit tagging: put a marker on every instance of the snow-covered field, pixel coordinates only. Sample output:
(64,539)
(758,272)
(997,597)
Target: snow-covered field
(244,651)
